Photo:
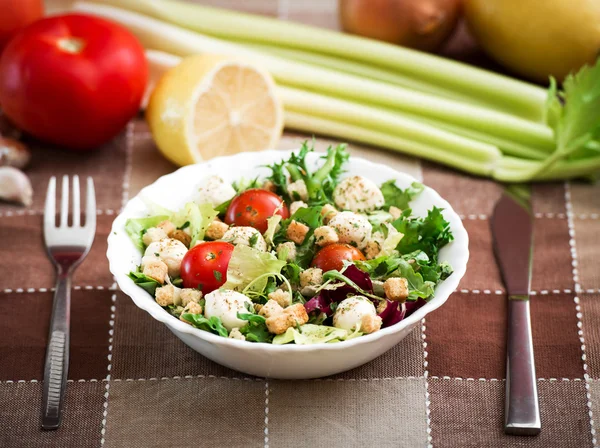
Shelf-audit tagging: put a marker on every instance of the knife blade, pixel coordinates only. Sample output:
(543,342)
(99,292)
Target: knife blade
(512,233)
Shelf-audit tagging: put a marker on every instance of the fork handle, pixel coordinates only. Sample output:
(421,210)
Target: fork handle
(57,355)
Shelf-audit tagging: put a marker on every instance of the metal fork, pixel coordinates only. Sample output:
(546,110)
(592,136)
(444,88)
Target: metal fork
(67,246)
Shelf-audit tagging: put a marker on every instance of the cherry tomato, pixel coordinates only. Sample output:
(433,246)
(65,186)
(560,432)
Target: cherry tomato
(205,266)
(72,80)
(15,15)
(332,257)
(253,207)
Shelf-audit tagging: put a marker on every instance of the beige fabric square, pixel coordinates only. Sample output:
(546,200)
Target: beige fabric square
(590,310)
(471,414)
(332,414)
(405,359)
(595,396)
(586,239)
(321,13)
(196,412)
(20,415)
(585,198)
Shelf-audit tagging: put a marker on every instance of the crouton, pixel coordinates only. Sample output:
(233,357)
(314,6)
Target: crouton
(191,308)
(396,289)
(157,270)
(395,212)
(290,250)
(298,190)
(188,295)
(167,226)
(325,235)
(168,295)
(270,186)
(182,236)
(283,298)
(327,212)
(235,333)
(257,307)
(152,235)
(292,316)
(294,206)
(271,308)
(216,230)
(297,231)
(311,277)
(372,249)
(370,323)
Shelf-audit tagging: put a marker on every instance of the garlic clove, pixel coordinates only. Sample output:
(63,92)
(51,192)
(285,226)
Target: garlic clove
(15,186)
(13,153)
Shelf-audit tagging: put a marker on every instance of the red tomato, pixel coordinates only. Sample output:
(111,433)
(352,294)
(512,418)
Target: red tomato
(205,266)
(15,15)
(72,80)
(332,257)
(253,207)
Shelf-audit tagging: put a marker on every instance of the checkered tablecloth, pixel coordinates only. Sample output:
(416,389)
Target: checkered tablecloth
(134,384)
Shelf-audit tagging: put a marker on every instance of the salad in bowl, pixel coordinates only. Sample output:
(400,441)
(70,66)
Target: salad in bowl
(303,255)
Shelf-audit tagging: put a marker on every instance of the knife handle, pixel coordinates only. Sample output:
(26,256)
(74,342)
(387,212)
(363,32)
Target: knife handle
(522,413)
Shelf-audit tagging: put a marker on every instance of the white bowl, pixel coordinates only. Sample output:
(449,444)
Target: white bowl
(267,360)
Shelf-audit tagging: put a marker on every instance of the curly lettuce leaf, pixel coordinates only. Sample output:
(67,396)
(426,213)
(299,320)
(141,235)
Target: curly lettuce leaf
(256,329)
(397,197)
(247,265)
(212,325)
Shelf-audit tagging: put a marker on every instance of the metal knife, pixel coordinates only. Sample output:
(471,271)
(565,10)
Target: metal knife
(512,232)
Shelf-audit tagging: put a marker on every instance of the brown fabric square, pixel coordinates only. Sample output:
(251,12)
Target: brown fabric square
(466,337)
(590,310)
(21,410)
(405,359)
(106,165)
(468,195)
(202,412)
(145,348)
(147,163)
(586,238)
(25,264)
(482,269)
(548,198)
(23,259)
(555,341)
(471,414)
(25,319)
(585,198)
(551,255)
(340,414)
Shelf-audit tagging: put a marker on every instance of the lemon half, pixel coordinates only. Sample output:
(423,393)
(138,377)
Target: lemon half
(210,106)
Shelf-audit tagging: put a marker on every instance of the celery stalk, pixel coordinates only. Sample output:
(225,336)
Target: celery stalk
(520,98)
(311,124)
(511,169)
(170,38)
(385,121)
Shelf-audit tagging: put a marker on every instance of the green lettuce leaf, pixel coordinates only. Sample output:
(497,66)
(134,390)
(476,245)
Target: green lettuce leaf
(398,197)
(311,334)
(272,224)
(251,265)
(212,325)
(136,227)
(199,218)
(147,283)
(256,329)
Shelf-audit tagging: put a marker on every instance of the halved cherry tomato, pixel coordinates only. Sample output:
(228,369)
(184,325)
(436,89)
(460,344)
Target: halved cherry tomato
(205,266)
(253,207)
(332,257)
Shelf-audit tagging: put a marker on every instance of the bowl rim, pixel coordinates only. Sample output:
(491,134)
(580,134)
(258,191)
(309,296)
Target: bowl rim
(140,296)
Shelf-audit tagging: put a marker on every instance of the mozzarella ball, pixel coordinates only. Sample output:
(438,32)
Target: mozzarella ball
(169,251)
(350,312)
(358,194)
(352,228)
(213,190)
(226,304)
(247,236)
